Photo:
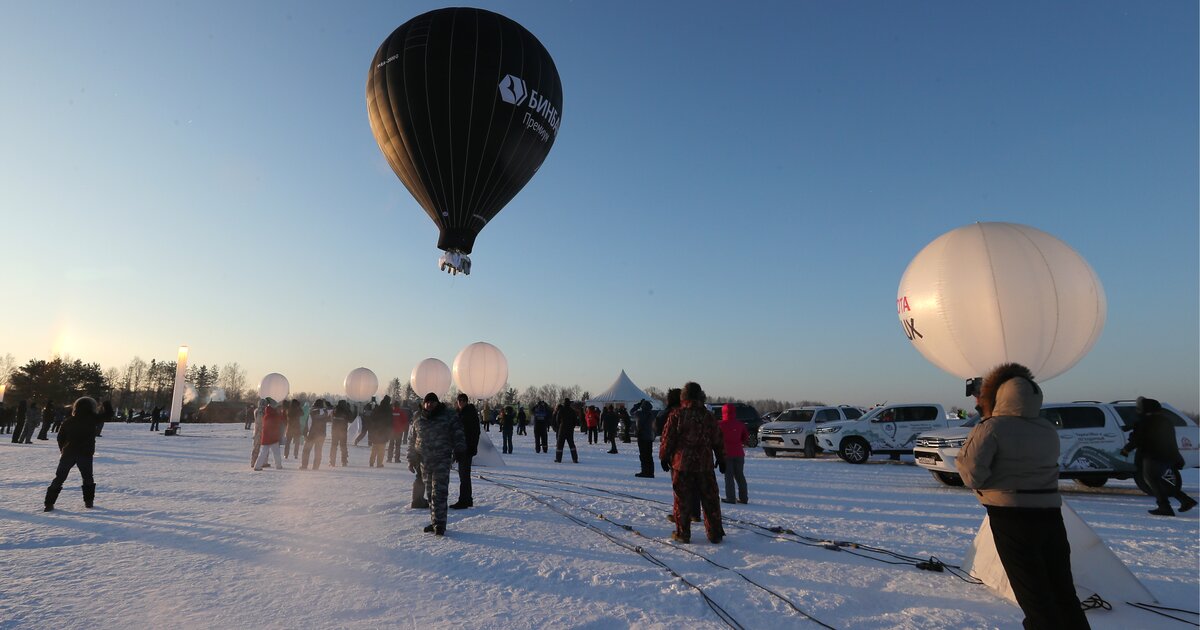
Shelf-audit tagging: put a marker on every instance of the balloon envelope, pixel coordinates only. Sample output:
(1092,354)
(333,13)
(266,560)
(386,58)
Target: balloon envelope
(465,105)
(990,293)
(361,384)
(480,370)
(274,385)
(431,375)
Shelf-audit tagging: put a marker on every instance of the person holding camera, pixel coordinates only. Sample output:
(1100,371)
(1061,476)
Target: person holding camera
(1010,460)
(1154,439)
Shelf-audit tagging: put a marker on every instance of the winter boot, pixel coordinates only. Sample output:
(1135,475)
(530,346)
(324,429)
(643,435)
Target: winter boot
(52,496)
(419,505)
(460,505)
(440,530)
(677,537)
(1186,503)
(1163,510)
(428,528)
(89,494)
(575,456)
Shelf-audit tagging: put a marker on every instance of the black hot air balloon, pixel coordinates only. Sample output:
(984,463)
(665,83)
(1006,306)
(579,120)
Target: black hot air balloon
(465,104)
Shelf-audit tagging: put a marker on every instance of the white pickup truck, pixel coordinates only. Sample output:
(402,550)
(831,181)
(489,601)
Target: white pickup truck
(1090,434)
(886,430)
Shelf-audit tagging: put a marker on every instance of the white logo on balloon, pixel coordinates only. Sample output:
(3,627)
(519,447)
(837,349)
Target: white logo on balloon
(361,384)
(990,293)
(430,376)
(274,385)
(480,370)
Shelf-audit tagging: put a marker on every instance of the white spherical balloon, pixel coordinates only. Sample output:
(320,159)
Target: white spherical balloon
(274,385)
(430,375)
(480,370)
(990,293)
(361,384)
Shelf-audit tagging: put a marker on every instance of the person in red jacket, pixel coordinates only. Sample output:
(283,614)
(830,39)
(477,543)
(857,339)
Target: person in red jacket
(274,422)
(399,432)
(735,434)
(591,417)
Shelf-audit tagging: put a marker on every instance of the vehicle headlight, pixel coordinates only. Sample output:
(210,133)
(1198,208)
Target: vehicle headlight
(793,431)
(829,429)
(957,443)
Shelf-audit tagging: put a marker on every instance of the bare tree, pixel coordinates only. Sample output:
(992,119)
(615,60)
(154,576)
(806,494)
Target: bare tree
(7,365)
(233,381)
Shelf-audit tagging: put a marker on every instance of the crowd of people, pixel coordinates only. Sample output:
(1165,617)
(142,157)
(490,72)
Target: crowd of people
(1009,459)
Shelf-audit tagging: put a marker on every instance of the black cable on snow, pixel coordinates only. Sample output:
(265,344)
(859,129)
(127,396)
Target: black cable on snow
(929,564)
(1158,611)
(721,613)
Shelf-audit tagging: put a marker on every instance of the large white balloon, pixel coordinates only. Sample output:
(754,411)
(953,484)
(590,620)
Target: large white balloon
(480,370)
(430,375)
(361,384)
(990,293)
(274,385)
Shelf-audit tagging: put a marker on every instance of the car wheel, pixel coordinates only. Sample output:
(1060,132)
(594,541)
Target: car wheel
(1092,481)
(950,479)
(810,447)
(855,450)
(770,452)
(753,441)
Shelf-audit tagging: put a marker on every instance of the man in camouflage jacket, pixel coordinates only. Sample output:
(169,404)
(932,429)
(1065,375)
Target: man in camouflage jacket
(437,439)
(691,441)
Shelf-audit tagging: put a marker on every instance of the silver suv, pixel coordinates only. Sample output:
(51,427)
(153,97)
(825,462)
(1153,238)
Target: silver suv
(793,429)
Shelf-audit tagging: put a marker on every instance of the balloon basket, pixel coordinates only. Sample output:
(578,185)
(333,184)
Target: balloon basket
(455,263)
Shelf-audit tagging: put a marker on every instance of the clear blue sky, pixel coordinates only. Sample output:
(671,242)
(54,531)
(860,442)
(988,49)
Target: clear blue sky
(733,196)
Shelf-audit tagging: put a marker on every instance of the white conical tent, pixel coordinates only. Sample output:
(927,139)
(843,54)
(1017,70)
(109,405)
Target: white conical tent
(622,391)
(1095,568)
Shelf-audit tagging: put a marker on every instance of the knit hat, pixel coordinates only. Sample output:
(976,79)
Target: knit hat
(431,397)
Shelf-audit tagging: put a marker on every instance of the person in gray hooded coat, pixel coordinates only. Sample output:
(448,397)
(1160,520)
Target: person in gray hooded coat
(437,440)
(1010,459)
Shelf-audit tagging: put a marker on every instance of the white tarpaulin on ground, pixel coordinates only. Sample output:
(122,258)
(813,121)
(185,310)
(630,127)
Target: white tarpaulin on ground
(1095,568)
(488,455)
(622,391)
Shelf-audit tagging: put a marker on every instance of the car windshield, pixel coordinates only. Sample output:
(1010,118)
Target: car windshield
(795,415)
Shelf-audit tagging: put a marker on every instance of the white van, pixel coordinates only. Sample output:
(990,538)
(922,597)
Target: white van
(887,430)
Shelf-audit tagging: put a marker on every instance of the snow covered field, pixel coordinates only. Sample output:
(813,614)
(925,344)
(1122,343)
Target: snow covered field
(185,535)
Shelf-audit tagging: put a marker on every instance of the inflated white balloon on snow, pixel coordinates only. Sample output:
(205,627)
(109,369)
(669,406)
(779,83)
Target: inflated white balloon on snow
(274,385)
(480,370)
(990,293)
(430,375)
(361,384)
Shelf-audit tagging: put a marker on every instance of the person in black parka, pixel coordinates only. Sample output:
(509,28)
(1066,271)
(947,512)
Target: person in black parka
(77,446)
(1154,439)
(469,417)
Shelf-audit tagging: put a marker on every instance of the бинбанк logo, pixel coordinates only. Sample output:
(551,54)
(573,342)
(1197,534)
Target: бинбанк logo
(512,90)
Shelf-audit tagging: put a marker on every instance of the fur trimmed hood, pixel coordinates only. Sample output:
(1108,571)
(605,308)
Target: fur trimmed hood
(1009,390)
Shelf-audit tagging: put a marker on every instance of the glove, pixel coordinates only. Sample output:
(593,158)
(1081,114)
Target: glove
(721,466)
(666,466)
(412,466)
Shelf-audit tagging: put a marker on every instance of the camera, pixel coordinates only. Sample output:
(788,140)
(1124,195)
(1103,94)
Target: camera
(974,386)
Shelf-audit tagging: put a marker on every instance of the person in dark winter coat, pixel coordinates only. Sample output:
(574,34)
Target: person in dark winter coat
(611,420)
(672,404)
(292,436)
(735,434)
(76,447)
(522,421)
(32,417)
(314,439)
(1010,460)
(565,421)
(343,415)
(469,418)
(437,440)
(1154,439)
(541,427)
(625,422)
(274,425)
(508,420)
(644,413)
(106,414)
(19,422)
(691,442)
(379,431)
(47,420)
(155,418)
